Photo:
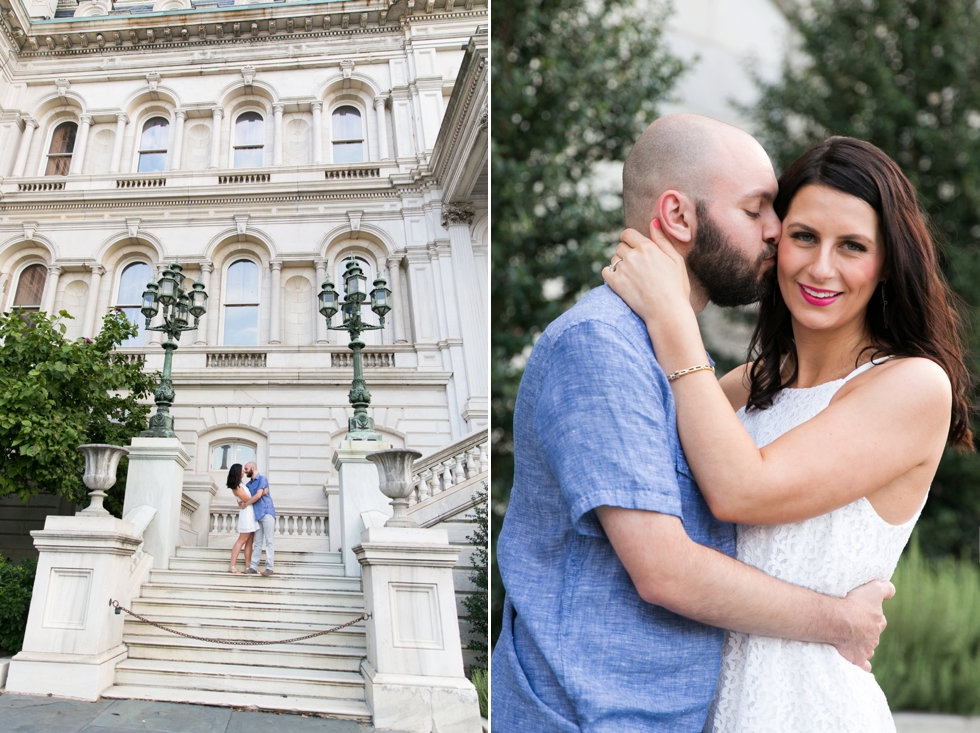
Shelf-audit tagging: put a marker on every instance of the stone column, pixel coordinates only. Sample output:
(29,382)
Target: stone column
(275,297)
(30,125)
(215,136)
(202,327)
(317,108)
(321,322)
(379,108)
(81,145)
(4,282)
(156,479)
(92,307)
(51,288)
(117,144)
(414,680)
(178,140)
(277,135)
(395,283)
(73,639)
(359,493)
(457,218)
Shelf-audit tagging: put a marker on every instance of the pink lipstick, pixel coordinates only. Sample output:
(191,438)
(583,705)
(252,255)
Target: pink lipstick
(818,296)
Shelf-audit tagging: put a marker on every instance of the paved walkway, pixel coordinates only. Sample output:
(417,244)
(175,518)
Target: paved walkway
(27,714)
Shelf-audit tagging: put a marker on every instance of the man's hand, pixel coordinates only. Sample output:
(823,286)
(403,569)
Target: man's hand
(241,504)
(865,620)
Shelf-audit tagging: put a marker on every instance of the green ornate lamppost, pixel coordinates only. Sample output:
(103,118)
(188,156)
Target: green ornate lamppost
(178,306)
(360,427)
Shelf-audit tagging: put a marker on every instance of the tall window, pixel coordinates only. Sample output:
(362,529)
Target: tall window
(227,454)
(132,283)
(242,304)
(249,140)
(348,135)
(30,287)
(62,146)
(153,145)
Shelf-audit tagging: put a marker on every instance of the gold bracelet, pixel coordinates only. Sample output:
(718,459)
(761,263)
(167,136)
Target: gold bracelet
(690,370)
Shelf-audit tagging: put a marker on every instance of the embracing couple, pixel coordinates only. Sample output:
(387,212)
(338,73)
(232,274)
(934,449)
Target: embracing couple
(684,553)
(256,518)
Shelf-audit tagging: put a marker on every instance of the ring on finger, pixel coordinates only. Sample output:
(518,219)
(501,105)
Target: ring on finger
(615,264)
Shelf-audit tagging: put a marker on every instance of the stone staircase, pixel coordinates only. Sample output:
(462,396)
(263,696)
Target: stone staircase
(197,595)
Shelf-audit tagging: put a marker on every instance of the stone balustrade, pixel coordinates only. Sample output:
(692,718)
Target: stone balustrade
(451,466)
(369,359)
(235,360)
(305,524)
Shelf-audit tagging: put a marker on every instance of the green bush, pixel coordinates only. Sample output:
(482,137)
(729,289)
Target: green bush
(929,656)
(479,679)
(16,586)
(476,604)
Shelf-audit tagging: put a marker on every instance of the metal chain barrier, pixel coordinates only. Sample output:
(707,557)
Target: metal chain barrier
(235,642)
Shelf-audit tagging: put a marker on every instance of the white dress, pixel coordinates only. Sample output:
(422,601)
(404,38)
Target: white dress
(246,520)
(777,685)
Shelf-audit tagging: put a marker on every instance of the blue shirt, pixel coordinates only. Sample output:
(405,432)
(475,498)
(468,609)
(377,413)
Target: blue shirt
(264,505)
(579,650)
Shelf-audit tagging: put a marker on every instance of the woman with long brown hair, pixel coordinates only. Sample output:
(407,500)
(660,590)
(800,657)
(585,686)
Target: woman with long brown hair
(824,445)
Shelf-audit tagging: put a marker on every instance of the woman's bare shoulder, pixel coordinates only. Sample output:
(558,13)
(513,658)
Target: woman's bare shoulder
(735,385)
(910,378)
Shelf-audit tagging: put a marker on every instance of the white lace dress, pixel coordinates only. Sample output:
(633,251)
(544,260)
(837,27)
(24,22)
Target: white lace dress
(778,685)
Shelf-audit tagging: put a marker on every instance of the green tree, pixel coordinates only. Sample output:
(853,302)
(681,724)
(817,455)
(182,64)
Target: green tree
(904,75)
(476,604)
(574,84)
(56,395)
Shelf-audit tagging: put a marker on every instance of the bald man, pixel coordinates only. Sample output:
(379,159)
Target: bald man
(619,580)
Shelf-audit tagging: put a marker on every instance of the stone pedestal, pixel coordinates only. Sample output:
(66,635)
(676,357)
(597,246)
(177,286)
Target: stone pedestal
(359,493)
(74,638)
(156,479)
(413,673)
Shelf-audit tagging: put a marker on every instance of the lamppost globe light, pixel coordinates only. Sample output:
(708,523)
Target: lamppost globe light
(199,300)
(380,298)
(329,300)
(182,316)
(150,306)
(355,282)
(168,289)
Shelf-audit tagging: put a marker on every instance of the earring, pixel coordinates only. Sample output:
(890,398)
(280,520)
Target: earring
(884,304)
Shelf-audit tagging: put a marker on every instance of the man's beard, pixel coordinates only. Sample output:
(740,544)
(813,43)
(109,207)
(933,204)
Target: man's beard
(729,279)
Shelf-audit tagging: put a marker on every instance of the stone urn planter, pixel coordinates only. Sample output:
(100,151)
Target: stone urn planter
(395,472)
(101,462)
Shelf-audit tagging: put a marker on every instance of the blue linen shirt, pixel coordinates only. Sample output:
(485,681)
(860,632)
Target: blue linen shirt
(264,505)
(579,650)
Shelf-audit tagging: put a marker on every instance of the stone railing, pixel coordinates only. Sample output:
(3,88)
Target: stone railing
(310,524)
(130,358)
(235,360)
(140,182)
(449,467)
(38,187)
(244,178)
(369,359)
(335,174)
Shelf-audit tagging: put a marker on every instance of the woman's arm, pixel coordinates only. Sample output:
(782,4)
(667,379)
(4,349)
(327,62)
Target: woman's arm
(879,430)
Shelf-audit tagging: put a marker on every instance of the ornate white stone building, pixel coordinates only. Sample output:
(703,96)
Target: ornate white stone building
(262,144)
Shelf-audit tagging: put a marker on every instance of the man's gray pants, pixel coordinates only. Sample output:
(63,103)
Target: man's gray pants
(263,536)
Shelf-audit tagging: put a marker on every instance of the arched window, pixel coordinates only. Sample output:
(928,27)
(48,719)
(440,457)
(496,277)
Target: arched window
(30,287)
(62,146)
(348,135)
(242,304)
(230,452)
(132,283)
(153,145)
(249,140)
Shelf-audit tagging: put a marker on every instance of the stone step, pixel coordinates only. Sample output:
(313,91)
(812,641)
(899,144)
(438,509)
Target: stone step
(297,655)
(253,591)
(336,708)
(241,678)
(283,567)
(260,613)
(257,583)
(206,553)
(352,636)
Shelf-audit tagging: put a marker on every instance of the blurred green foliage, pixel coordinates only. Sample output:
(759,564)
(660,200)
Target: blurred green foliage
(476,604)
(904,75)
(56,395)
(929,656)
(16,587)
(574,84)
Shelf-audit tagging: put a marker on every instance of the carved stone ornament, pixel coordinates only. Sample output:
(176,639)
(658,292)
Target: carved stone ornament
(457,214)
